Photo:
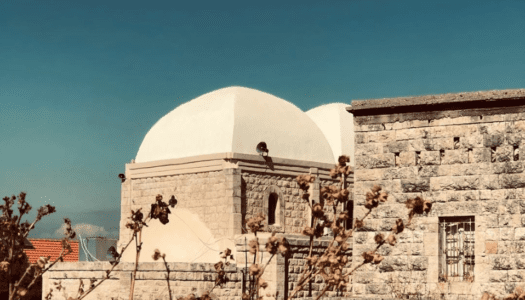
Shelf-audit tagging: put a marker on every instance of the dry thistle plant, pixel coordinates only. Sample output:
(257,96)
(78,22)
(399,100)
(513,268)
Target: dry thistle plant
(156,255)
(275,245)
(159,210)
(15,271)
(331,263)
(417,206)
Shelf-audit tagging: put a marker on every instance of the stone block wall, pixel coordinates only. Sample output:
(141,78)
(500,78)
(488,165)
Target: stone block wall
(468,160)
(210,195)
(282,274)
(151,283)
(295,264)
(256,188)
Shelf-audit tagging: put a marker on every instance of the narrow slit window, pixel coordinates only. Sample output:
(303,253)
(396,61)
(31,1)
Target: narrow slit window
(350,209)
(272,208)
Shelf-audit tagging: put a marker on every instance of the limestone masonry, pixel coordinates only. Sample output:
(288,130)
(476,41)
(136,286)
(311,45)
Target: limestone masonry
(463,152)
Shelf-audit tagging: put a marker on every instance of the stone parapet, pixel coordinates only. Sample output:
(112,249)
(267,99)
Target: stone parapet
(151,281)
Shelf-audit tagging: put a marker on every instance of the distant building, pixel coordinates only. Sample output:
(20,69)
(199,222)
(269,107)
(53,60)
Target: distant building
(96,248)
(52,248)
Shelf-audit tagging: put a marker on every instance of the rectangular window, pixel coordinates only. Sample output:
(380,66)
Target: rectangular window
(456,249)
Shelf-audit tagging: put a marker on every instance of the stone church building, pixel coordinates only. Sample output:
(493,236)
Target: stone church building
(460,151)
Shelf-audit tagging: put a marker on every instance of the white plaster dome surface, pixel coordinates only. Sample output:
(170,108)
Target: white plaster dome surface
(338,127)
(235,119)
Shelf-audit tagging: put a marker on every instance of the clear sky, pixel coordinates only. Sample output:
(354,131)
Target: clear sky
(81,82)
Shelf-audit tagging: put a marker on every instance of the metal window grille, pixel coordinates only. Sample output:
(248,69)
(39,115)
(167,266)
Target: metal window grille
(456,249)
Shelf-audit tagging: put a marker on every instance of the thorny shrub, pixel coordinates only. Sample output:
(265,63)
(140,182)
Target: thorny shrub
(159,210)
(329,214)
(17,275)
(275,245)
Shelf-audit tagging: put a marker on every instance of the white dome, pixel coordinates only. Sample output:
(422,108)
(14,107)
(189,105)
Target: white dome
(235,119)
(337,124)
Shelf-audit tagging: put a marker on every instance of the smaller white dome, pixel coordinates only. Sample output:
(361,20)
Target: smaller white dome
(337,125)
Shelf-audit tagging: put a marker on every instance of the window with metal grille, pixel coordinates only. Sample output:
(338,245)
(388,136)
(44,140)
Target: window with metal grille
(456,249)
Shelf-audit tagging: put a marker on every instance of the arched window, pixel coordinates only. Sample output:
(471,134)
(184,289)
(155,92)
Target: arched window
(272,208)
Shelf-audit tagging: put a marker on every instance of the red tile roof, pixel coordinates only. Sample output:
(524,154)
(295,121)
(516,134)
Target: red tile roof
(50,247)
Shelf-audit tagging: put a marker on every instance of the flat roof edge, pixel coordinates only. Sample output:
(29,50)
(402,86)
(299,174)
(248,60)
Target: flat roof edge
(454,100)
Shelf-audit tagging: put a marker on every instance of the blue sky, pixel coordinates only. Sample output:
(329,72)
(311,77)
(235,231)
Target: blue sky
(81,82)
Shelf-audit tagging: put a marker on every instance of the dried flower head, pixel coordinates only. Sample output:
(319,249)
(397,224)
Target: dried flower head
(343,160)
(160,210)
(383,197)
(308,231)
(156,254)
(69,232)
(253,246)
(376,188)
(263,283)
(4,266)
(368,256)
(304,181)
(379,238)
(283,246)
(391,239)
(317,210)
(42,261)
(312,260)
(345,246)
(21,291)
(44,211)
(226,253)
(377,259)
(419,205)
(254,269)
(255,223)
(219,266)
(113,252)
(359,223)
(398,226)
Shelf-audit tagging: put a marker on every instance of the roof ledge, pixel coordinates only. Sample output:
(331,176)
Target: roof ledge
(451,101)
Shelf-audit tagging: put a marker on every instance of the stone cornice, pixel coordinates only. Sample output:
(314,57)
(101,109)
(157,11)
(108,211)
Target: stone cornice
(451,101)
(227,160)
